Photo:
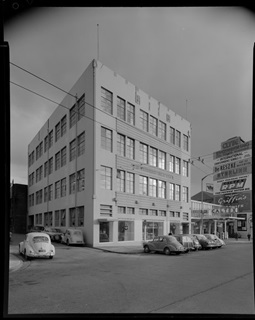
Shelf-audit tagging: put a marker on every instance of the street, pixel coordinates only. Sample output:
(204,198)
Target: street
(86,280)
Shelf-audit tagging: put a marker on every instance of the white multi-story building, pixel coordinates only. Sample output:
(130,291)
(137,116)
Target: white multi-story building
(112,161)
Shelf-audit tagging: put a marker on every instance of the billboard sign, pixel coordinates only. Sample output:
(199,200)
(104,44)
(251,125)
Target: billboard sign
(239,202)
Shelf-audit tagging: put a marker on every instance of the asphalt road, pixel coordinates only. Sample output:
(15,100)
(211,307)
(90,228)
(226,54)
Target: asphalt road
(85,280)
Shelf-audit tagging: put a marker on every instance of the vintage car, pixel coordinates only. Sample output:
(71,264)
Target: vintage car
(217,240)
(196,244)
(36,245)
(186,241)
(165,244)
(54,233)
(72,236)
(37,229)
(205,243)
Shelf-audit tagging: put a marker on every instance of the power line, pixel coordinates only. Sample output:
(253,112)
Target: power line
(41,79)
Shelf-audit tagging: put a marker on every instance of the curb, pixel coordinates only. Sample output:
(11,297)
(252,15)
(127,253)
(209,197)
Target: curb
(112,251)
(15,263)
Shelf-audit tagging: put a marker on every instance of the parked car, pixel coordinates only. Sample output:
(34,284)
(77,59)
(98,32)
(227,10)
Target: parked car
(37,229)
(205,243)
(54,233)
(196,243)
(186,241)
(219,242)
(36,245)
(72,236)
(165,244)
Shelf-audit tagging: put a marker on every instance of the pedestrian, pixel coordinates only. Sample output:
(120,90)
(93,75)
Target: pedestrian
(249,236)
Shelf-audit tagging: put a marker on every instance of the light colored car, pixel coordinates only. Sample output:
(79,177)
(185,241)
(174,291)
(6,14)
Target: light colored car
(196,244)
(217,240)
(72,236)
(165,244)
(54,233)
(205,243)
(36,245)
(186,241)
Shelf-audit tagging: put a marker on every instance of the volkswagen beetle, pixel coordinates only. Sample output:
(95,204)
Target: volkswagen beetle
(165,244)
(72,236)
(36,245)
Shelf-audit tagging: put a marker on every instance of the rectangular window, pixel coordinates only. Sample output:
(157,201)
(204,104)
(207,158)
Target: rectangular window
(143,211)
(38,197)
(106,139)
(46,169)
(185,194)
(81,107)
(125,230)
(121,145)
(171,163)
(63,126)
(106,178)
(144,118)
(72,184)
(162,213)
(57,189)
(73,115)
(162,160)
(131,114)
(63,187)
(63,157)
(50,165)
(178,138)
(162,130)
(185,168)
(130,148)
(81,180)
(143,185)
(172,135)
(177,165)
(185,142)
(72,213)
(81,144)
(50,194)
(153,126)
(57,132)
(172,214)
(80,212)
(121,109)
(57,160)
(121,180)
(143,153)
(46,194)
(121,210)
(46,143)
(162,189)
(130,182)
(152,187)
(171,191)
(63,217)
(106,100)
(130,210)
(177,193)
(57,215)
(153,157)
(51,139)
(153,212)
(72,149)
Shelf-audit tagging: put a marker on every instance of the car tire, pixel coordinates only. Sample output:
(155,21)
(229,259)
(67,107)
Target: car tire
(167,251)
(50,257)
(178,253)
(146,249)
(26,257)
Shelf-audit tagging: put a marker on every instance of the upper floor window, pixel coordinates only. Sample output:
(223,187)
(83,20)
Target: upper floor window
(106,178)
(121,109)
(130,182)
(143,185)
(153,187)
(162,130)
(121,145)
(106,139)
(144,118)
(185,194)
(178,138)
(106,100)
(153,157)
(130,148)
(177,165)
(121,180)
(57,132)
(185,168)
(51,139)
(81,107)
(162,160)
(153,126)
(143,153)
(81,143)
(131,114)
(185,142)
(63,126)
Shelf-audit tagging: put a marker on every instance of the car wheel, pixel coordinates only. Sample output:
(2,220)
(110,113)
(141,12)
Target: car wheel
(146,249)
(26,257)
(167,251)
(50,257)
(177,253)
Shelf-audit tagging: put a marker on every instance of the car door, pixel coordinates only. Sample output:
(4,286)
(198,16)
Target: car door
(161,243)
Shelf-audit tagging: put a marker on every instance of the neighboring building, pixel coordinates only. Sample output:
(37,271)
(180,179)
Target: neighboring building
(114,163)
(18,208)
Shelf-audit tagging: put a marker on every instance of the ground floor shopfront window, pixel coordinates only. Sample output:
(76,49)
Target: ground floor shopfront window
(126,231)
(152,229)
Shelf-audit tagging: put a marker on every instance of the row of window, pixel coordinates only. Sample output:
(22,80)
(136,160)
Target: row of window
(147,186)
(76,218)
(126,112)
(147,154)
(75,114)
(60,160)
(76,182)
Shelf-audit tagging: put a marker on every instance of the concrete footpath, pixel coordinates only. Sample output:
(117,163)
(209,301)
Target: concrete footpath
(16,260)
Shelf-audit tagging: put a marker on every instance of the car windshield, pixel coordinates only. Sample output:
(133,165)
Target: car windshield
(40,239)
(172,239)
(201,237)
(209,236)
(77,232)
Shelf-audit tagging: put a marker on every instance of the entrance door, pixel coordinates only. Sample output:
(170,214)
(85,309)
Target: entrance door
(104,232)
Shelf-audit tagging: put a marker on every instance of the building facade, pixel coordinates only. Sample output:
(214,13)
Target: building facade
(112,161)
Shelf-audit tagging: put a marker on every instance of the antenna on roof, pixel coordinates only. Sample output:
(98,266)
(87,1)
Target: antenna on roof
(97,41)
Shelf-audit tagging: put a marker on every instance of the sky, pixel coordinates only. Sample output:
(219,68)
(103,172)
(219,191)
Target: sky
(196,60)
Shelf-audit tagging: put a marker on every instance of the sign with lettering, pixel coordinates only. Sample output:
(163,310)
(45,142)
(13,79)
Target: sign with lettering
(229,151)
(225,186)
(240,201)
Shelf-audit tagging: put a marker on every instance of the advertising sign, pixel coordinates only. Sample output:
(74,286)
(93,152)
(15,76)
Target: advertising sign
(240,183)
(240,201)
(232,150)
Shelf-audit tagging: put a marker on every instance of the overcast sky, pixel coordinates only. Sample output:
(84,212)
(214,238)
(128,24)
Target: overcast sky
(198,61)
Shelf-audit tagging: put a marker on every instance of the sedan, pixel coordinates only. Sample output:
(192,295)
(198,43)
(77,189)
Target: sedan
(36,245)
(196,243)
(219,242)
(55,234)
(165,244)
(72,236)
(186,241)
(205,243)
